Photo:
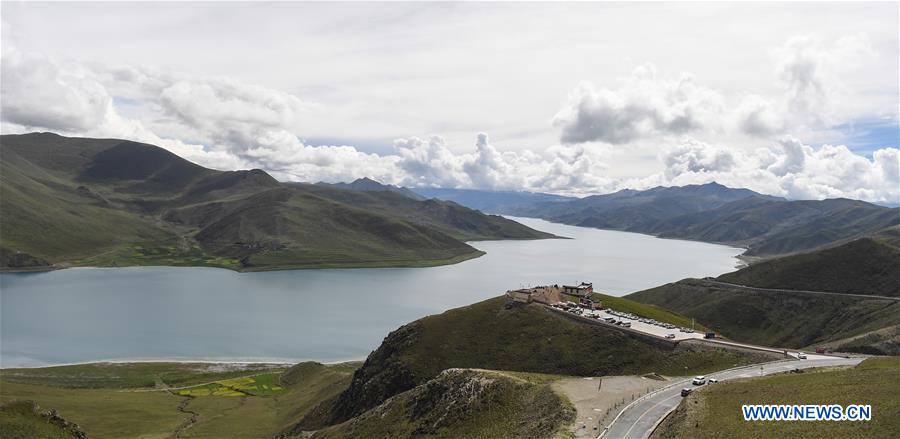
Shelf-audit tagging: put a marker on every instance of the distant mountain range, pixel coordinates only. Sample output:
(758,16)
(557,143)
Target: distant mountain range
(369,185)
(767,226)
(107,202)
(503,202)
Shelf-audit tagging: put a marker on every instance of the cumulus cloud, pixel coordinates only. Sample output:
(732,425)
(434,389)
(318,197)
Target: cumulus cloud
(36,93)
(645,104)
(810,94)
(787,168)
(429,162)
(226,124)
(809,77)
(693,156)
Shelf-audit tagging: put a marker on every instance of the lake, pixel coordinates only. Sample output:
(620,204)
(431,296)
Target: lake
(90,314)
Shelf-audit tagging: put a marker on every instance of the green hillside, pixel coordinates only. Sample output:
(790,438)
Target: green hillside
(107,202)
(863,266)
(714,412)
(25,420)
(782,319)
(463,403)
(499,335)
(866,266)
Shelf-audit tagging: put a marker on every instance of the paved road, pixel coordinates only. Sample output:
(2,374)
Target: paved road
(781,290)
(640,418)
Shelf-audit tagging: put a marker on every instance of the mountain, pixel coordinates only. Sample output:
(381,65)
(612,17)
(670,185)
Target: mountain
(502,202)
(500,335)
(107,202)
(767,226)
(770,227)
(796,319)
(864,266)
(636,210)
(367,184)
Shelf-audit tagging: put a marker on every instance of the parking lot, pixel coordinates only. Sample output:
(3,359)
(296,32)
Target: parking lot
(664,330)
(637,323)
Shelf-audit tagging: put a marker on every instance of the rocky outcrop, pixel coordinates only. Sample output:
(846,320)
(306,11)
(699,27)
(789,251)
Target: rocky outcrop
(384,374)
(459,403)
(27,419)
(21,260)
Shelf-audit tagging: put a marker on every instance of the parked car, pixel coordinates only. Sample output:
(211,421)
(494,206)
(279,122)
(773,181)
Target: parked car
(709,335)
(712,381)
(686,391)
(699,380)
(626,324)
(670,335)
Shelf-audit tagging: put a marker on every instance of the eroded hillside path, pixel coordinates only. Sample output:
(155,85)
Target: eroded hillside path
(596,403)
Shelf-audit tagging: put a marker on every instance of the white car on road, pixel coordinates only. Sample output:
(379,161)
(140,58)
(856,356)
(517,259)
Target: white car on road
(699,380)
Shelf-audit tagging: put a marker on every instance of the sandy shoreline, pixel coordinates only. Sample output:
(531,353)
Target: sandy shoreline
(233,362)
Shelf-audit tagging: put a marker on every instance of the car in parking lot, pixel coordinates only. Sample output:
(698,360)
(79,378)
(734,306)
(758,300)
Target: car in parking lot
(686,391)
(670,335)
(699,380)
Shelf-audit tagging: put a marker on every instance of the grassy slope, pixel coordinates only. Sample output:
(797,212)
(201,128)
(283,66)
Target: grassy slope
(464,403)
(110,400)
(532,339)
(24,420)
(491,335)
(773,318)
(864,266)
(73,201)
(63,224)
(715,412)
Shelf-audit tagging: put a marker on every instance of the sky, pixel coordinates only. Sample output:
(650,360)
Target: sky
(797,99)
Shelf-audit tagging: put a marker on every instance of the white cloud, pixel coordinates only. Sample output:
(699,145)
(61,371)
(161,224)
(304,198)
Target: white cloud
(692,156)
(758,116)
(792,159)
(644,105)
(813,94)
(36,93)
(789,168)
(227,124)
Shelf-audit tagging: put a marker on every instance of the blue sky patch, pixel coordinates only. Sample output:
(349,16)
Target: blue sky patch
(865,136)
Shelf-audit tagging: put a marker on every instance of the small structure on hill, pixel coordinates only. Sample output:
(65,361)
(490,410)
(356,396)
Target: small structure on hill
(583,289)
(587,302)
(542,294)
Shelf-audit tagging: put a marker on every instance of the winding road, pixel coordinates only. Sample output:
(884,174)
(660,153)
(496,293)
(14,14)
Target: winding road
(781,290)
(640,418)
